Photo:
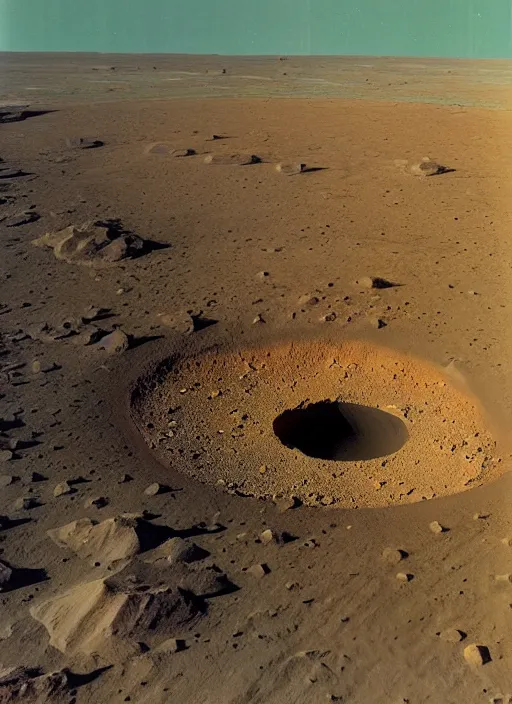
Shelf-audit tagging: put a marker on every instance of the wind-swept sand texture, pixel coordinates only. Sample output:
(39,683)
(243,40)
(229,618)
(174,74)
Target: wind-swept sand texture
(315,320)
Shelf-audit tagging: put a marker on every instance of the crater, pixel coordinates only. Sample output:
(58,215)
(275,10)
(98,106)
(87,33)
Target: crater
(345,424)
(342,432)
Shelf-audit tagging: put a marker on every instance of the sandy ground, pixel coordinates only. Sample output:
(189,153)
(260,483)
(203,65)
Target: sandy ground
(206,593)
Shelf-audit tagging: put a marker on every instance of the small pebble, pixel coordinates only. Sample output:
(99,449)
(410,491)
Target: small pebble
(404,577)
(5,455)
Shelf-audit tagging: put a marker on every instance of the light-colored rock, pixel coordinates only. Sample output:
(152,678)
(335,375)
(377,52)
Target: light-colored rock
(232,159)
(6,480)
(404,577)
(177,550)
(5,576)
(115,342)
(62,489)
(153,489)
(258,571)
(428,167)
(36,366)
(96,501)
(25,503)
(114,540)
(5,456)
(477,655)
(171,645)
(267,536)
(392,556)
(93,244)
(290,168)
(106,617)
(452,635)
(284,503)
(436,527)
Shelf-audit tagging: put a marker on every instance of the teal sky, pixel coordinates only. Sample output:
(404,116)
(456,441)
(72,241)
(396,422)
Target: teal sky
(447,28)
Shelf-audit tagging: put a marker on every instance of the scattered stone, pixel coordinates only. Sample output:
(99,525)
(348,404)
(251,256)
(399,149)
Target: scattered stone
(291,168)
(171,645)
(375,282)
(285,503)
(404,577)
(328,317)
(25,503)
(36,366)
(437,528)
(115,342)
(164,149)
(37,477)
(258,319)
(177,550)
(291,586)
(6,480)
(503,578)
(452,635)
(96,501)
(154,489)
(232,159)
(477,655)
(89,335)
(5,576)
(258,571)
(263,275)
(83,143)
(480,516)
(267,536)
(5,455)
(125,479)
(181,322)
(393,556)
(92,313)
(428,167)
(507,541)
(63,489)
(308,300)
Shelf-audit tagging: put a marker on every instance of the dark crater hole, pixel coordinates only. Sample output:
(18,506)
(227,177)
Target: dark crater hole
(335,430)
